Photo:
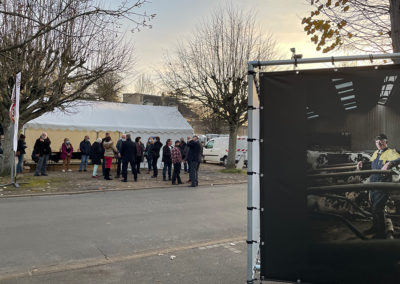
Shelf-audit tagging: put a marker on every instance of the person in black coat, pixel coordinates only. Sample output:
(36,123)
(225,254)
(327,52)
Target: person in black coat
(119,161)
(149,154)
(193,158)
(156,154)
(96,154)
(139,153)
(166,159)
(42,151)
(183,147)
(128,155)
(20,153)
(84,147)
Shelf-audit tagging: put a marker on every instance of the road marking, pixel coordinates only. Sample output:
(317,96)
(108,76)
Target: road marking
(229,246)
(92,262)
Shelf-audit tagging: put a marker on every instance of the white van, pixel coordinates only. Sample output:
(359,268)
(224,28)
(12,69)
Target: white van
(216,150)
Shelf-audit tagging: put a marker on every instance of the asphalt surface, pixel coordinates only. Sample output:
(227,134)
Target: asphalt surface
(126,237)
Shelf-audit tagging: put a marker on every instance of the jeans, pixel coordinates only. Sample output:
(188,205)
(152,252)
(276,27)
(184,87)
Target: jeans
(20,163)
(155,169)
(149,162)
(193,172)
(103,166)
(95,170)
(84,162)
(125,169)
(41,165)
(176,174)
(185,166)
(119,163)
(167,165)
(379,200)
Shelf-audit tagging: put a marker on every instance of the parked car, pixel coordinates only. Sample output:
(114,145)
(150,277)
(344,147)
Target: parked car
(216,150)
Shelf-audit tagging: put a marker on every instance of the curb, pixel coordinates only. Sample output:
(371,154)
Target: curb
(100,261)
(105,190)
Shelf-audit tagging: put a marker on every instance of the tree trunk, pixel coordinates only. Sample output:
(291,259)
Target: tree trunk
(8,155)
(233,130)
(395,25)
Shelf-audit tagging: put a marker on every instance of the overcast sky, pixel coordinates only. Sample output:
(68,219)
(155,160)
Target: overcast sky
(177,18)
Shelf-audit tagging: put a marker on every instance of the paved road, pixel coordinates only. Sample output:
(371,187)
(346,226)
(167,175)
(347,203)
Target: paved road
(77,231)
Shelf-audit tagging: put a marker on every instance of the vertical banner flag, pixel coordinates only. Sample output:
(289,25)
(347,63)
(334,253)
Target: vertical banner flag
(14,111)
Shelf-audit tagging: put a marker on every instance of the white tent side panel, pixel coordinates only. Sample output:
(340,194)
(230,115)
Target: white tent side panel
(86,118)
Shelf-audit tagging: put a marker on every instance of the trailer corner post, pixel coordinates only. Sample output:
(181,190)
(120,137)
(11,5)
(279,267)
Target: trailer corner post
(250,237)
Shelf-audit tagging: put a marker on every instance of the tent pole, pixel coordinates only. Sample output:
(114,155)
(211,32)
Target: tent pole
(370,57)
(250,236)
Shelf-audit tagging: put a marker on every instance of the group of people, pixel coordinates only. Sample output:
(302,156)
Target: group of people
(127,152)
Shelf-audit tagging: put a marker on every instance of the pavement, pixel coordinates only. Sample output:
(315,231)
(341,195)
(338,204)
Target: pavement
(73,182)
(165,235)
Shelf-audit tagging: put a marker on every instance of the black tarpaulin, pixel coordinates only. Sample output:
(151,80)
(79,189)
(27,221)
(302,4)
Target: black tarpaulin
(297,107)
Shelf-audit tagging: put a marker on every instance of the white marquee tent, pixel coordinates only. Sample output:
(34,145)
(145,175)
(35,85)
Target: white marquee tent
(95,118)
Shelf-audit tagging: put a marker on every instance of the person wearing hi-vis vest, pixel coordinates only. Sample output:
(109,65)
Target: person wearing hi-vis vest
(383,159)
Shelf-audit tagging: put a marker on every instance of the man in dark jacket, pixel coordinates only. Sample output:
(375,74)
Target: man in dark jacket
(21,153)
(128,156)
(84,147)
(183,147)
(156,154)
(139,153)
(119,160)
(384,158)
(193,158)
(167,160)
(42,151)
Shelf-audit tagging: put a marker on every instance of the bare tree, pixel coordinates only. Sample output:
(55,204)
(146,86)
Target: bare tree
(368,26)
(211,66)
(108,88)
(144,85)
(61,48)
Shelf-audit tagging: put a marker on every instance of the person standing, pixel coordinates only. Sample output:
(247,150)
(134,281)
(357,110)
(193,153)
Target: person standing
(109,152)
(128,155)
(176,157)
(182,146)
(384,158)
(139,153)
(119,160)
(103,165)
(156,154)
(166,159)
(200,159)
(21,146)
(42,151)
(96,154)
(66,154)
(84,147)
(149,154)
(186,153)
(193,159)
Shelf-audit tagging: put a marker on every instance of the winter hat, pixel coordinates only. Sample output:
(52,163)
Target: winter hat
(381,137)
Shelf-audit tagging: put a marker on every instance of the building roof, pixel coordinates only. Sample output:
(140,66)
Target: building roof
(107,116)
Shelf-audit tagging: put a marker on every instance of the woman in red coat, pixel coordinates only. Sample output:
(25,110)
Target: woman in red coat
(66,154)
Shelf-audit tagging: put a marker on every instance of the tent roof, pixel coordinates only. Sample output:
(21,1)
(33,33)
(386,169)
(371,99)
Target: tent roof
(107,116)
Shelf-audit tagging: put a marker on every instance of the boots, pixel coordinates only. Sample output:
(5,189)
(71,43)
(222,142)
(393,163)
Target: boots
(107,174)
(378,226)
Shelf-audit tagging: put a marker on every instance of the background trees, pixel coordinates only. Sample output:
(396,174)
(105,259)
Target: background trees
(210,67)
(368,26)
(145,85)
(61,48)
